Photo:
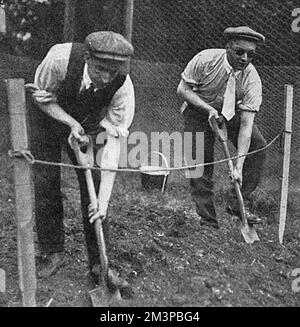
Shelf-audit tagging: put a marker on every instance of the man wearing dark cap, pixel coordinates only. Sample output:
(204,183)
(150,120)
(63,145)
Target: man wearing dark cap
(223,83)
(80,90)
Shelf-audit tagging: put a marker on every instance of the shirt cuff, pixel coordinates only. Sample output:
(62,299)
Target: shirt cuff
(247,107)
(188,80)
(40,96)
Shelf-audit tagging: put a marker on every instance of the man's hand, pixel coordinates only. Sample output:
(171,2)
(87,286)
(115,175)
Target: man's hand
(214,113)
(238,175)
(77,133)
(96,213)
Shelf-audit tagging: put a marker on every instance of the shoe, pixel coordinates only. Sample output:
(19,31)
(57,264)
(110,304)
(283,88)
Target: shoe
(209,223)
(50,265)
(251,217)
(114,281)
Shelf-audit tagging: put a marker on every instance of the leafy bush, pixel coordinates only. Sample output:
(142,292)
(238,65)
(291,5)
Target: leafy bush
(33,26)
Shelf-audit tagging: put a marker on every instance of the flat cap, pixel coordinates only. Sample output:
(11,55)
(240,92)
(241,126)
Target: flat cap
(243,33)
(109,45)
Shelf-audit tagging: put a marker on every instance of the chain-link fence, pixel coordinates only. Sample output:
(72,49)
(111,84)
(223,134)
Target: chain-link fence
(167,34)
(173,31)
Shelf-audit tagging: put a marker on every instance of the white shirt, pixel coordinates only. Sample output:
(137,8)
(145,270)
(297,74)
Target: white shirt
(207,73)
(51,73)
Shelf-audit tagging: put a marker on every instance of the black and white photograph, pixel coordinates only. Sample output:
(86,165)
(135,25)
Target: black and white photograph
(149,156)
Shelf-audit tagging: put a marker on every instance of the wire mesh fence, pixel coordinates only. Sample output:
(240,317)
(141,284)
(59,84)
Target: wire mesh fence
(167,34)
(172,31)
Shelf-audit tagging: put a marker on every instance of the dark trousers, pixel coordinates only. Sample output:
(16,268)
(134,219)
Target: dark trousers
(48,139)
(202,188)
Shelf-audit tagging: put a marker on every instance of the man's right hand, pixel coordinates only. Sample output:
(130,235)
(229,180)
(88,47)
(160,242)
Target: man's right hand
(97,213)
(213,113)
(77,133)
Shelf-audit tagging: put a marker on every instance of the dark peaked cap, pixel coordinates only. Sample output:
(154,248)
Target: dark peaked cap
(109,45)
(243,33)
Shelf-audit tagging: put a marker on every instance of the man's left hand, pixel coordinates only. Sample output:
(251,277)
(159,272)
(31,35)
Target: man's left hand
(96,213)
(82,141)
(238,175)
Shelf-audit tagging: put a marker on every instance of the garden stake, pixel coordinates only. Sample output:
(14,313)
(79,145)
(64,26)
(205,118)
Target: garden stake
(288,99)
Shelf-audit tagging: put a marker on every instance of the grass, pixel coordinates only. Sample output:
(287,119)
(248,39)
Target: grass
(160,248)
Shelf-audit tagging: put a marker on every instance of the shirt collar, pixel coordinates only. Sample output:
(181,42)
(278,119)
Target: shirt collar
(86,80)
(227,65)
(229,68)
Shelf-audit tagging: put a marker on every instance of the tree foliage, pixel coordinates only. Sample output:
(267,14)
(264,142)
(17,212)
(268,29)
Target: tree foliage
(33,25)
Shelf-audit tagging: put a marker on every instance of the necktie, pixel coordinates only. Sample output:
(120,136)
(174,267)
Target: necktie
(87,91)
(91,88)
(228,109)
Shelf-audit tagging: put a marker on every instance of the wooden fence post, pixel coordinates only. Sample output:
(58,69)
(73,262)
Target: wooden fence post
(2,21)
(2,281)
(69,20)
(23,189)
(288,103)
(129,7)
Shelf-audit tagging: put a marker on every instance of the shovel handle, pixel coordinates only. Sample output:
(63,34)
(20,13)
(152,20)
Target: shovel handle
(235,182)
(84,158)
(98,228)
(88,159)
(91,187)
(220,132)
(241,202)
(222,135)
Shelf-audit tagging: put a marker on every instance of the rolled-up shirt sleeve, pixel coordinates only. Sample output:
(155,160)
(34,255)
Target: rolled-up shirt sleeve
(120,112)
(252,92)
(193,71)
(50,73)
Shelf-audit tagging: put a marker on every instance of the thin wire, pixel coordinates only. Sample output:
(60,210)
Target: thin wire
(30,158)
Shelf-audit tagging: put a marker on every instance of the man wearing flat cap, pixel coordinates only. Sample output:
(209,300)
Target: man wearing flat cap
(80,89)
(223,83)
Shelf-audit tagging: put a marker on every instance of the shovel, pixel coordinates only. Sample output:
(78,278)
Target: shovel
(248,231)
(101,296)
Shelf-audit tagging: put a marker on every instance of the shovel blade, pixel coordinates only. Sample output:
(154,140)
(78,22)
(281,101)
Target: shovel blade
(101,297)
(249,234)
